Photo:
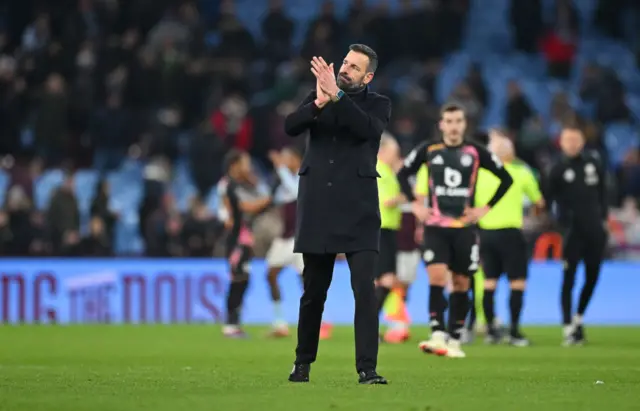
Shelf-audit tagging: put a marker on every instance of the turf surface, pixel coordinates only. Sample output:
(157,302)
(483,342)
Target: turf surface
(193,368)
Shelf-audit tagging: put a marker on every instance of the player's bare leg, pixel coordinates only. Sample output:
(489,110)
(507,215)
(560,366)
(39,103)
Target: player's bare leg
(279,326)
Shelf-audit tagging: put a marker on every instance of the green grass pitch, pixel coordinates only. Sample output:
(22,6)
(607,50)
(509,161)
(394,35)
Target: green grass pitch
(173,368)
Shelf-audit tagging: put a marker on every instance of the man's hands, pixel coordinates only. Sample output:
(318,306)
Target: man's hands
(322,98)
(421,212)
(473,215)
(393,202)
(326,78)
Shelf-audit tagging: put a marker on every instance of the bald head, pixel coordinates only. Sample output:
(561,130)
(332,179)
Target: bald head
(389,151)
(501,145)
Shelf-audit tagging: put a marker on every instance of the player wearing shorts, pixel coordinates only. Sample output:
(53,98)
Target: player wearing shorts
(280,254)
(450,241)
(390,199)
(502,245)
(241,202)
(407,262)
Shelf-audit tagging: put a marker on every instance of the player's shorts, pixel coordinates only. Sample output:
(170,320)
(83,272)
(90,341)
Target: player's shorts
(388,251)
(456,247)
(503,251)
(408,262)
(281,254)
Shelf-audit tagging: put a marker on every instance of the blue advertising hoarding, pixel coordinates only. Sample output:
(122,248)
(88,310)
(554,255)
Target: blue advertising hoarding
(193,291)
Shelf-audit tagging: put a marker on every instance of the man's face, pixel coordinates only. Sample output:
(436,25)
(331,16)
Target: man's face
(453,125)
(354,72)
(571,142)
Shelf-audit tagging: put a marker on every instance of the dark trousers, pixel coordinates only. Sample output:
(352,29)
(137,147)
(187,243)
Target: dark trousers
(587,244)
(317,274)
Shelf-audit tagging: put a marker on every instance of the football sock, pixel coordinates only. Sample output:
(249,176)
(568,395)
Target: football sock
(437,306)
(277,312)
(459,309)
(234,301)
(515,306)
(487,306)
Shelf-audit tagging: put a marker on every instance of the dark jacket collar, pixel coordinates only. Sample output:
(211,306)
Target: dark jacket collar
(360,93)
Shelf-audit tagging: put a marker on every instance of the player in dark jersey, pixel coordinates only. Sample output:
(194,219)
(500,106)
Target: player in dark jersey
(450,218)
(241,202)
(577,186)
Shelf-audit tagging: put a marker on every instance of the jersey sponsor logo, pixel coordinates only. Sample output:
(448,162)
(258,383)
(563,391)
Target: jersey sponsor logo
(466,160)
(590,174)
(452,180)
(569,175)
(437,160)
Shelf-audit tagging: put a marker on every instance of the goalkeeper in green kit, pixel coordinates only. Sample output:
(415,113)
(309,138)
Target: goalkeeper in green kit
(503,249)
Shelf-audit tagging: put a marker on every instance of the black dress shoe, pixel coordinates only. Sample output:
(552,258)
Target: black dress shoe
(300,373)
(371,377)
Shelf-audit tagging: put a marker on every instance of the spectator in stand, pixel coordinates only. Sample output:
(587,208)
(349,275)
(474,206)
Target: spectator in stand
(101,209)
(629,242)
(232,123)
(18,210)
(97,243)
(63,216)
(277,30)
(205,156)
(561,40)
(200,230)
(51,129)
(527,23)
(518,108)
(110,131)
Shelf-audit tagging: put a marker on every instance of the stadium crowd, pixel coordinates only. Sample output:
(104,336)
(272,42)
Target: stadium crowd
(89,83)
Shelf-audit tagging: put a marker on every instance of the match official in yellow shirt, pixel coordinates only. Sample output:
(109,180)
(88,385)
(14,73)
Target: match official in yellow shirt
(502,244)
(390,198)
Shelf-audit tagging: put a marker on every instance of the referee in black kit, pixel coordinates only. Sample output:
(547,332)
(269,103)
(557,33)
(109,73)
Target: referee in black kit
(577,186)
(338,201)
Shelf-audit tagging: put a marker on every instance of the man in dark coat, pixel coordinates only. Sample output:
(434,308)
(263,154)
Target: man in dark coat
(338,201)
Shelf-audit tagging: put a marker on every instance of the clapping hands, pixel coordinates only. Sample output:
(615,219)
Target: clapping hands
(326,86)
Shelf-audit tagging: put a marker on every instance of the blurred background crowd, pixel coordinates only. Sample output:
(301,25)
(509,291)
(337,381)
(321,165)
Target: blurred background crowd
(115,114)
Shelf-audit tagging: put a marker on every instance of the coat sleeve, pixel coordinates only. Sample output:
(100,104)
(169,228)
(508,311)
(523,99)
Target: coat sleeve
(300,120)
(363,125)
